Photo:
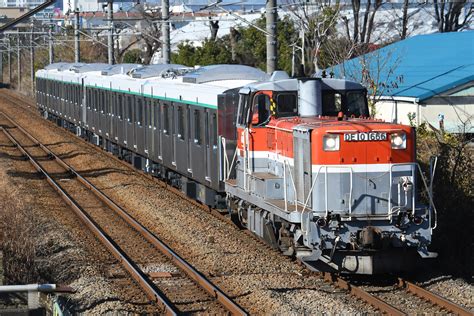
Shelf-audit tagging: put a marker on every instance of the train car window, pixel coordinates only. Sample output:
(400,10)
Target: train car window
(214,130)
(207,127)
(156,113)
(260,110)
(180,122)
(139,103)
(118,107)
(166,119)
(286,105)
(130,115)
(197,127)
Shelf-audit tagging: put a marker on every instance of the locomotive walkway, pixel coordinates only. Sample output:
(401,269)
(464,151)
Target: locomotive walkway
(164,276)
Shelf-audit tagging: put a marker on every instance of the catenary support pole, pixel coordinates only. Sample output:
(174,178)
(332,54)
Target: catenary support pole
(32,59)
(77,47)
(18,58)
(50,44)
(9,59)
(110,37)
(165,30)
(271,17)
(1,67)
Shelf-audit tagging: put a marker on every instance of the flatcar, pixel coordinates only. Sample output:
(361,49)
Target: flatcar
(297,161)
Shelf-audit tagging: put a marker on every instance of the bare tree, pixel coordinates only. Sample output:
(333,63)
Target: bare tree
(452,16)
(317,23)
(150,29)
(403,34)
(377,72)
(362,33)
(214,27)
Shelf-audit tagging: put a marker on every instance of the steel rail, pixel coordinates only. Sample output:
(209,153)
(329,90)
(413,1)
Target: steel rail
(434,298)
(129,266)
(191,272)
(362,294)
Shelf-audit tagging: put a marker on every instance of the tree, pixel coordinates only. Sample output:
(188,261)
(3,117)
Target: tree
(132,57)
(250,46)
(186,55)
(448,14)
(211,52)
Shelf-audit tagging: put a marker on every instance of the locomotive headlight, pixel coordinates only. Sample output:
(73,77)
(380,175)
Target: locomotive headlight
(331,142)
(398,140)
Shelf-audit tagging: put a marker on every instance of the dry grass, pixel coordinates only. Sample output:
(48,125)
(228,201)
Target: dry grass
(17,238)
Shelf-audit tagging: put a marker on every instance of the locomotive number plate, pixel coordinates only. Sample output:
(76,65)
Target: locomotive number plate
(365,137)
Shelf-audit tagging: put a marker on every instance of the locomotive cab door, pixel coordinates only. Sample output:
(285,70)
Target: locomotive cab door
(257,147)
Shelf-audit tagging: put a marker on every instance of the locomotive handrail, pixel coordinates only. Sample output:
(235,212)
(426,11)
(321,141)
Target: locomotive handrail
(430,196)
(285,162)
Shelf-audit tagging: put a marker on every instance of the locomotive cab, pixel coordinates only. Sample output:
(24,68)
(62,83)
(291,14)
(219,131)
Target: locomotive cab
(318,178)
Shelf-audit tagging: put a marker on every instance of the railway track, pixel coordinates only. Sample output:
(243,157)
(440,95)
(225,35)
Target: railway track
(377,298)
(399,299)
(168,280)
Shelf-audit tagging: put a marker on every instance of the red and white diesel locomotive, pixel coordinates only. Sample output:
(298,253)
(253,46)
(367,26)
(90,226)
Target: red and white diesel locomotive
(299,162)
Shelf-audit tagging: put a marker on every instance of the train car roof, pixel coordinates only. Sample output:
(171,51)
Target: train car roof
(172,82)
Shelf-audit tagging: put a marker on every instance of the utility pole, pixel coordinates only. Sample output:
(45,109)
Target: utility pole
(9,59)
(18,57)
(110,37)
(50,44)
(32,58)
(271,18)
(77,47)
(1,66)
(302,70)
(165,29)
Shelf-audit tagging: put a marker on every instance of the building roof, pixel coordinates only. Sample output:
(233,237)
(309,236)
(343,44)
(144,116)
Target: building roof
(419,67)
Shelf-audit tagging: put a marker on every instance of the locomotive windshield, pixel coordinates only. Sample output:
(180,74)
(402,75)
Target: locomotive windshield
(350,103)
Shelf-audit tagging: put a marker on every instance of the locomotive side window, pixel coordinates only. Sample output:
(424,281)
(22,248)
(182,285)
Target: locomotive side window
(260,110)
(243,109)
(286,105)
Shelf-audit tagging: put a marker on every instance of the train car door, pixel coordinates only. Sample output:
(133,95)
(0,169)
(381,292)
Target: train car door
(148,128)
(129,105)
(156,131)
(212,151)
(139,126)
(167,144)
(198,156)
(180,141)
